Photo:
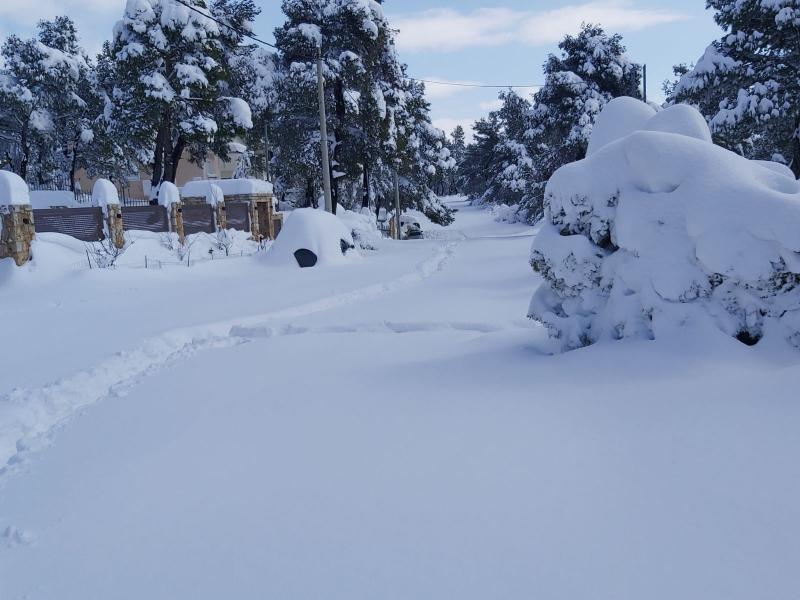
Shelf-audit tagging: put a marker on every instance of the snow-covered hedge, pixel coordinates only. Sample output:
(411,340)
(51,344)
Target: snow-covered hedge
(658,229)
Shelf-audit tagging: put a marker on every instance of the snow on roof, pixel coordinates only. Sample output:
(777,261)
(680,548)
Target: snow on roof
(104,193)
(13,189)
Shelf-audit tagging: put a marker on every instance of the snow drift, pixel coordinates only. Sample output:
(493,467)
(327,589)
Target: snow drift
(658,228)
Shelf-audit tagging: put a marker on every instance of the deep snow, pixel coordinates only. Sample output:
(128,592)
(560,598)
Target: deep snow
(394,428)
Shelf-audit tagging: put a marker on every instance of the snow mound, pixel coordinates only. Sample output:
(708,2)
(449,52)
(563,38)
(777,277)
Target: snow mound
(681,119)
(204,189)
(619,117)
(657,231)
(13,189)
(311,230)
(168,194)
(104,193)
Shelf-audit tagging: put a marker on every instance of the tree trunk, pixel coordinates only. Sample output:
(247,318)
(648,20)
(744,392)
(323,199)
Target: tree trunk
(25,148)
(796,149)
(158,159)
(365,196)
(73,167)
(338,134)
(171,174)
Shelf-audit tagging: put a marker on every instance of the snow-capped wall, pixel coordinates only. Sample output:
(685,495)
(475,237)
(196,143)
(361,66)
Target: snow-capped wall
(13,189)
(659,229)
(207,189)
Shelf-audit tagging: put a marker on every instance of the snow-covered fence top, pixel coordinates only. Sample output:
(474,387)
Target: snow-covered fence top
(13,190)
(659,229)
(229,187)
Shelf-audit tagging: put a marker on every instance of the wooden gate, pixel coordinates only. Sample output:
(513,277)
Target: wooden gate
(145,218)
(237,215)
(198,218)
(85,224)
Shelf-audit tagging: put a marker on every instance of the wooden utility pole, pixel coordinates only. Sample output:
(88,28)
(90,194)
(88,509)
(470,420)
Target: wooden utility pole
(323,132)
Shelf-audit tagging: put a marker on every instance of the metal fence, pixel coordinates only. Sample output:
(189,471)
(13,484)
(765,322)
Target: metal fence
(145,218)
(198,218)
(85,224)
(237,215)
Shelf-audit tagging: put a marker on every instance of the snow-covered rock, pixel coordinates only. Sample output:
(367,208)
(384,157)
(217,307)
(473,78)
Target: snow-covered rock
(660,229)
(309,230)
(13,189)
(104,193)
(168,194)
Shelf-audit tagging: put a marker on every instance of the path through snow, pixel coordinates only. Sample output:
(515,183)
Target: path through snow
(419,442)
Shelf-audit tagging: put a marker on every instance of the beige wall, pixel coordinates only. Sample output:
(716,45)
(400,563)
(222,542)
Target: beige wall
(139,186)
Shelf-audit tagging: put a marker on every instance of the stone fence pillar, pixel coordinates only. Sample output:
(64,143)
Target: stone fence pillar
(116,231)
(18,232)
(222,217)
(176,220)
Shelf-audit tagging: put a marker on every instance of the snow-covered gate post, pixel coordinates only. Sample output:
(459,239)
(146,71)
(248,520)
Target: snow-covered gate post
(170,197)
(18,229)
(105,195)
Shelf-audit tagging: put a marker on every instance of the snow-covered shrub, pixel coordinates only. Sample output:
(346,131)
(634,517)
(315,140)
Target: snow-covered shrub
(363,227)
(503,213)
(658,229)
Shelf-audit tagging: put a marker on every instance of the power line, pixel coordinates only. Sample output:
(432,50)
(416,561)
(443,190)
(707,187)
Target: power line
(475,85)
(228,25)
(249,35)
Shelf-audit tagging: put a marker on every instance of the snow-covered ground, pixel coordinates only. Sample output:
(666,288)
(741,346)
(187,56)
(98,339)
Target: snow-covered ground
(389,428)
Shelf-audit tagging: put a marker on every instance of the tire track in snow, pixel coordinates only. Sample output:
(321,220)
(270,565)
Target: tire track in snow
(28,417)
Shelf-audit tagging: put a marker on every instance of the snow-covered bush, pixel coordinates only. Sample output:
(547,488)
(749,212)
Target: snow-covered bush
(658,229)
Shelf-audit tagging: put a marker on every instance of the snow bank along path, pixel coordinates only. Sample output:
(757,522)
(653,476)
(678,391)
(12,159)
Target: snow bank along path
(28,415)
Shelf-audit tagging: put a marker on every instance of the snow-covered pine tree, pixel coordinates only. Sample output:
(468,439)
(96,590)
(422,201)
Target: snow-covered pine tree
(458,148)
(172,67)
(42,107)
(362,74)
(422,153)
(746,84)
(499,168)
(591,70)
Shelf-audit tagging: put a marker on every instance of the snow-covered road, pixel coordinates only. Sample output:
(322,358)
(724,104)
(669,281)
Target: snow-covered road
(410,437)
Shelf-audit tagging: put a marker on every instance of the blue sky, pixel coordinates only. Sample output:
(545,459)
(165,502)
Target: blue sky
(483,41)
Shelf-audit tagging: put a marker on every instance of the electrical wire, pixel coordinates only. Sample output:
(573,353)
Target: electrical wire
(249,35)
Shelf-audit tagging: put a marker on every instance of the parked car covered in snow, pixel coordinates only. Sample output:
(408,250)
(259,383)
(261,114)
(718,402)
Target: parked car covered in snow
(410,227)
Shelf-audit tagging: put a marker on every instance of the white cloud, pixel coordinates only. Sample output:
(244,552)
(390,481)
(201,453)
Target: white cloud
(447,124)
(447,30)
(491,105)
